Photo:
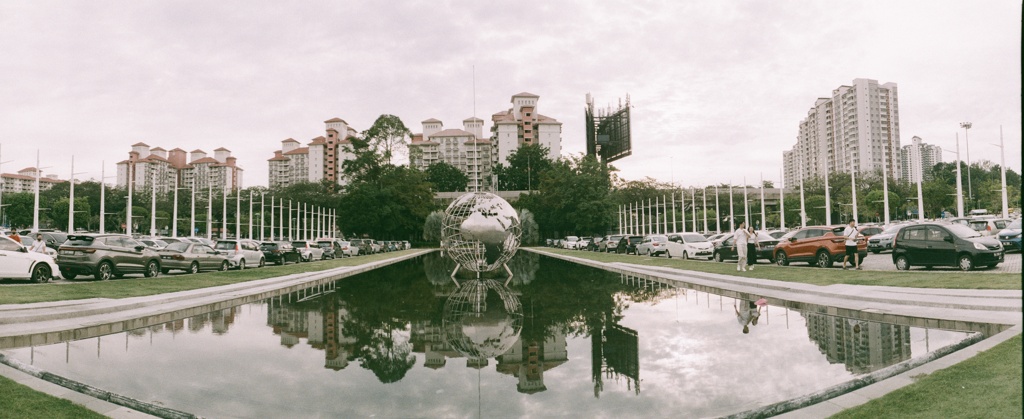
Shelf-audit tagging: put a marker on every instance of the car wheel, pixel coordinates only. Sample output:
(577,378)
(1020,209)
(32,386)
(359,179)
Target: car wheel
(224,265)
(41,273)
(279,262)
(152,269)
(68,275)
(104,271)
(965,263)
(241,265)
(824,260)
(781,259)
(902,263)
(263,262)
(193,268)
(876,251)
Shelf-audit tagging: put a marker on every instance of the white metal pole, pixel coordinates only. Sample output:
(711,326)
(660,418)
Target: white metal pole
(764,222)
(732,215)
(272,207)
(1002,166)
(192,221)
(250,215)
(291,222)
(959,181)
(828,202)
(174,216)
(209,210)
(71,199)
(130,177)
(885,191)
(152,203)
(782,201)
(967,144)
(238,214)
(103,198)
(803,209)
(704,207)
(674,212)
(35,207)
(693,209)
(718,215)
(224,214)
(853,190)
(746,203)
(263,218)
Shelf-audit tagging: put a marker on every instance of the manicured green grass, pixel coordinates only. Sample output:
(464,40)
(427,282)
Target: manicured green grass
(985,386)
(19,401)
(136,285)
(801,273)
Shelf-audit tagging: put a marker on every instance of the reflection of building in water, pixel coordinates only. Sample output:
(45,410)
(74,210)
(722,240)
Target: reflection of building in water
(222,320)
(863,346)
(320,322)
(527,360)
(198,322)
(615,352)
(647,289)
(427,338)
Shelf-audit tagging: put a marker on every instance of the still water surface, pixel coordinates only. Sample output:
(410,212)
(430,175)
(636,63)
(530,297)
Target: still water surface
(561,340)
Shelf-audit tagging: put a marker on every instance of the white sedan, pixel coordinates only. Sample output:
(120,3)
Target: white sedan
(689,245)
(17,262)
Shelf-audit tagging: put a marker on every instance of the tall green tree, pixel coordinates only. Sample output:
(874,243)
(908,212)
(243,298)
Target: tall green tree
(446,178)
(574,198)
(387,136)
(525,167)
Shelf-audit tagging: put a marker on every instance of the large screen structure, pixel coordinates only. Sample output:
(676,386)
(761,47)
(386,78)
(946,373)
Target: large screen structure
(608,133)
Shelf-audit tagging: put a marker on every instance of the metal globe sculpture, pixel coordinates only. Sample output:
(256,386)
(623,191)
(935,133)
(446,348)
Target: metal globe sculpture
(480,231)
(476,325)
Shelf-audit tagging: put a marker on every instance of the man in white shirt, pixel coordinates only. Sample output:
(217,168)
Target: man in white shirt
(740,238)
(851,244)
(39,246)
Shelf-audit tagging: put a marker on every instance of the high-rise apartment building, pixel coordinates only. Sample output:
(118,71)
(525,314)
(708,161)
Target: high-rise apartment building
(157,167)
(918,159)
(25,181)
(476,155)
(321,159)
(855,130)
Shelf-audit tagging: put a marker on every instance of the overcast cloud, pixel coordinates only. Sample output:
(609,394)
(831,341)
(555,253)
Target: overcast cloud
(718,87)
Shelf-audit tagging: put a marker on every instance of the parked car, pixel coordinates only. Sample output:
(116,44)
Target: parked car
(940,244)
(1010,236)
(715,238)
(571,242)
(816,245)
(883,241)
(584,243)
(53,239)
(869,230)
(595,244)
(346,248)
(375,245)
(308,250)
(17,262)
(155,244)
(328,248)
(609,243)
(652,245)
(689,245)
(242,253)
(989,226)
(192,258)
(776,233)
(280,253)
(725,248)
(627,244)
(105,256)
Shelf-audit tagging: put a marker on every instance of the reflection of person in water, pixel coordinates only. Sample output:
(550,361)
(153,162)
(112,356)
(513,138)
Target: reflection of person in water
(748,315)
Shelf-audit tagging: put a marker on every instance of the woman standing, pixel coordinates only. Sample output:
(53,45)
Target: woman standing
(751,248)
(740,239)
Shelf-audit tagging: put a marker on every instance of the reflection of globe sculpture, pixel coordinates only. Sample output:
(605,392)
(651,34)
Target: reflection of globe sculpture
(475,324)
(480,231)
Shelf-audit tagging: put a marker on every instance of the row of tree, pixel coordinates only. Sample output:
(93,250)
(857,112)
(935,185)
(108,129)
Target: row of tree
(576,195)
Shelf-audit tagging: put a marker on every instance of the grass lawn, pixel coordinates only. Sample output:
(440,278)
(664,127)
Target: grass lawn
(985,386)
(19,401)
(799,272)
(136,285)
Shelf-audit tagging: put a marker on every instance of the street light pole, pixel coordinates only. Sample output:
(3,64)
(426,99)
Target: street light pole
(967,143)
(1002,167)
(71,200)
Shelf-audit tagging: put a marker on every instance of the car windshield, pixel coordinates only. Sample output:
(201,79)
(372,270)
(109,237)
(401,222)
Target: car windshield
(179,246)
(299,244)
(79,240)
(1015,225)
(962,231)
(787,236)
(572,238)
(694,238)
(223,245)
(268,246)
(635,239)
(58,237)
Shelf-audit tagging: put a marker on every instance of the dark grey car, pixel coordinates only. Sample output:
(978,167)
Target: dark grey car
(935,244)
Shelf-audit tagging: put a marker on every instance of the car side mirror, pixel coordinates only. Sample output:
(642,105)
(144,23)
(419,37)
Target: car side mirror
(140,248)
(948,239)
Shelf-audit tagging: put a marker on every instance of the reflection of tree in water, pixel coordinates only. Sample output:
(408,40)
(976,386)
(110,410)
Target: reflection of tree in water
(482,319)
(524,268)
(388,354)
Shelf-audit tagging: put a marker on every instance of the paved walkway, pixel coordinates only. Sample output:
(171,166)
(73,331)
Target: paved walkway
(42,323)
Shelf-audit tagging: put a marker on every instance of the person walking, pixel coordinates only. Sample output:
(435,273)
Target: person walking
(851,234)
(39,246)
(752,246)
(740,239)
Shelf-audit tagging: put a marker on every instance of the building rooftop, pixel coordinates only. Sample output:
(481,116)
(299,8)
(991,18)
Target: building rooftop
(335,120)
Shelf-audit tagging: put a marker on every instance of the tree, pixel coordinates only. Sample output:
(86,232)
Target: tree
(446,178)
(574,197)
(531,231)
(392,206)
(386,136)
(432,227)
(525,167)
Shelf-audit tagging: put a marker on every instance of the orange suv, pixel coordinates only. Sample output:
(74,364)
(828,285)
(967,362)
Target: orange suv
(817,245)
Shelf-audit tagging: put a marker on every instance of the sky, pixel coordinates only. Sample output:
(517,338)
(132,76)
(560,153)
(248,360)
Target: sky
(717,88)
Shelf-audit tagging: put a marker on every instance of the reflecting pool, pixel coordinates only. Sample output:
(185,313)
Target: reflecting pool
(559,340)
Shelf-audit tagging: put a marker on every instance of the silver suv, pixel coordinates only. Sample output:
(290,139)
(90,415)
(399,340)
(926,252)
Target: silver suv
(106,255)
(242,253)
(308,250)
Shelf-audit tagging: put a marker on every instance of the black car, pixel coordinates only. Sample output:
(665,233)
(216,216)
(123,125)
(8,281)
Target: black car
(725,249)
(329,251)
(627,244)
(937,244)
(280,253)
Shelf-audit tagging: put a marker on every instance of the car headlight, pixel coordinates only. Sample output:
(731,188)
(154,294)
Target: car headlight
(980,246)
